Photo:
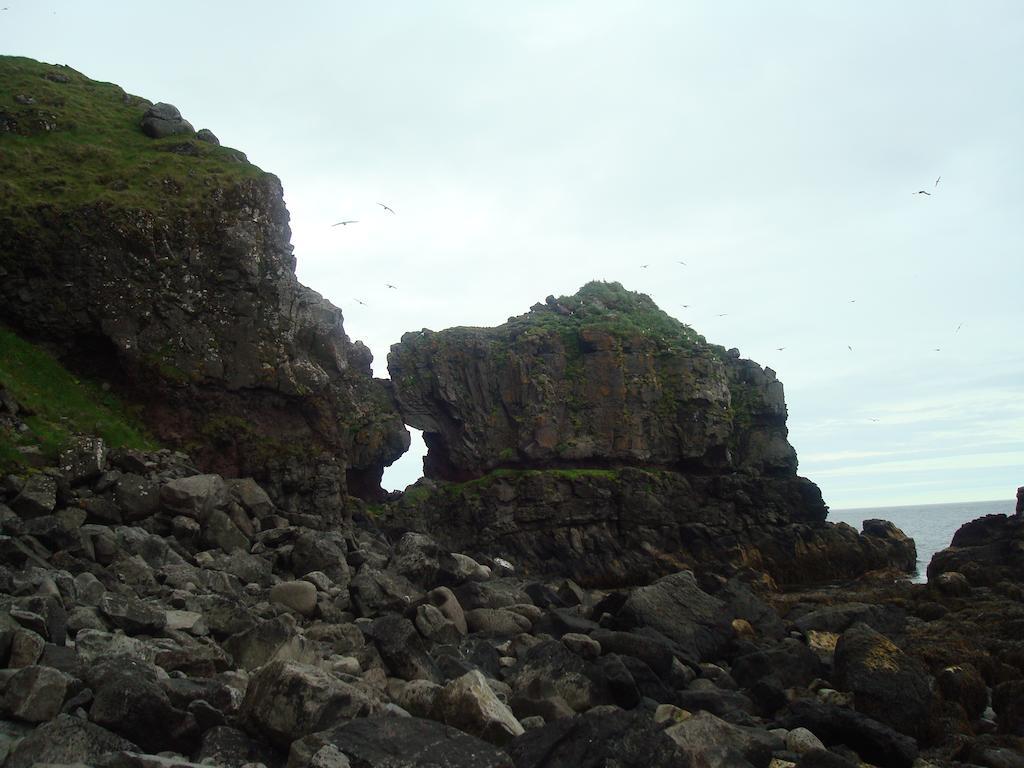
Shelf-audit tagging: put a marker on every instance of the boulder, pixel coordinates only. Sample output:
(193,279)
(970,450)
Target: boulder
(873,741)
(205,134)
(402,649)
(469,704)
(709,740)
(83,460)
(272,640)
(394,742)
(35,694)
(67,740)
(38,496)
(375,591)
(162,120)
(131,614)
(298,596)
(886,683)
(425,563)
(621,739)
(285,701)
(679,609)
(195,496)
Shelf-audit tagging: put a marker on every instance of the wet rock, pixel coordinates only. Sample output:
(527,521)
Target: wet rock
(424,562)
(496,622)
(131,614)
(435,626)
(286,700)
(375,592)
(272,640)
(583,645)
(801,741)
(964,685)
(1008,703)
(873,741)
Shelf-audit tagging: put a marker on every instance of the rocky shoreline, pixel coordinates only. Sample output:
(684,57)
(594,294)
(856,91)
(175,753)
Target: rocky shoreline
(610,561)
(157,616)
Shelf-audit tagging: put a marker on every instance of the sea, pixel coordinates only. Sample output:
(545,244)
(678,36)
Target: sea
(930,525)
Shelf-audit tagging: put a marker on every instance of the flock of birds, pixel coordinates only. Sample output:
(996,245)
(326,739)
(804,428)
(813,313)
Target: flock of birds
(388,209)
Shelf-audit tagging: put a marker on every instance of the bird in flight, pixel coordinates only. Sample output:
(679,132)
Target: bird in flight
(849,347)
(958,328)
(922,192)
(357,301)
(937,181)
(386,208)
(872,419)
(389,285)
(685,306)
(938,349)
(853,301)
(722,315)
(343,223)
(681,262)
(644,266)
(779,349)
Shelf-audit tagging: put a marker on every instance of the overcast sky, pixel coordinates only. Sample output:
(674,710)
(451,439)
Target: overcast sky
(527,148)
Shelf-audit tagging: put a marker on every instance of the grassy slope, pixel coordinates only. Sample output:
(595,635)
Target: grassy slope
(61,405)
(80,143)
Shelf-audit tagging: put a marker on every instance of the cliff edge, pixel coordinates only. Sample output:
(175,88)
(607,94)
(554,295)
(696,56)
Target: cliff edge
(149,255)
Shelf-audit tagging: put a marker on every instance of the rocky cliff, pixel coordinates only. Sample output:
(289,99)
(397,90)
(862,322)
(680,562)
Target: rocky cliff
(598,436)
(164,265)
(603,377)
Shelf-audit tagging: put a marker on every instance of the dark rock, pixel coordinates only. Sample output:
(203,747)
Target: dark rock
(986,551)
(424,562)
(615,675)
(625,740)
(84,460)
(675,606)
(323,551)
(137,497)
(1008,702)
(271,640)
(656,653)
(886,683)
(163,120)
(469,704)
(35,694)
(823,758)
(402,649)
(131,614)
(887,619)
(375,592)
(732,706)
(873,741)
(964,685)
(395,742)
(67,740)
(790,664)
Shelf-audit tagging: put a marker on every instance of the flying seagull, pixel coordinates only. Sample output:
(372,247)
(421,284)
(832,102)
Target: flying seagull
(779,349)
(343,223)
(685,306)
(938,349)
(681,262)
(357,301)
(386,208)
(389,285)
(958,328)
(937,181)
(722,315)
(922,192)
(853,301)
(644,266)
(872,419)
(849,347)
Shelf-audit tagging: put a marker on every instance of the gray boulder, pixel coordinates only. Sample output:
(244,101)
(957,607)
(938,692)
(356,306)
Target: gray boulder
(402,649)
(38,496)
(205,134)
(680,610)
(285,701)
(712,742)
(469,704)
(35,694)
(162,120)
(67,740)
(298,596)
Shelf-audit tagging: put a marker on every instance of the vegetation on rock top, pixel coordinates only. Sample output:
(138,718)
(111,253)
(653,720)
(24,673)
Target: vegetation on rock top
(57,405)
(70,140)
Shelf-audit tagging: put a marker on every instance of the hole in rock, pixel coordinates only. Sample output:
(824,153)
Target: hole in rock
(409,467)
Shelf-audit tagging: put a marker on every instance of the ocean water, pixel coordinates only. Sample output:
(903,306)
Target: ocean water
(930,525)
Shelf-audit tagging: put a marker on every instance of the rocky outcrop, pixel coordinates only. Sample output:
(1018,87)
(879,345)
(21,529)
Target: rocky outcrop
(598,437)
(173,278)
(600,378)
(984,552)
(629,526)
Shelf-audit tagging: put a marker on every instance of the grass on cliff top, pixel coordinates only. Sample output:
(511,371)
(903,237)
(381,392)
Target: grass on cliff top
(79,142)
(61,405)
(611,308)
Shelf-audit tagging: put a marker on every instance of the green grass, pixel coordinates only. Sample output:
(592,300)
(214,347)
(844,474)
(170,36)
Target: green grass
(61,404)
(80,143)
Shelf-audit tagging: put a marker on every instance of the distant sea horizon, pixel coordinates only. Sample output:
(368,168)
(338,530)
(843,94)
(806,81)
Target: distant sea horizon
(930,525)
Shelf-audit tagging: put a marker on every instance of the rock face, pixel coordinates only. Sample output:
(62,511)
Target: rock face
(602,377)
(985,551)
(178,285)
(598,436)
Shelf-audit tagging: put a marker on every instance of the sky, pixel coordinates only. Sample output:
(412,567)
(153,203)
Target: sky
(775,148)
